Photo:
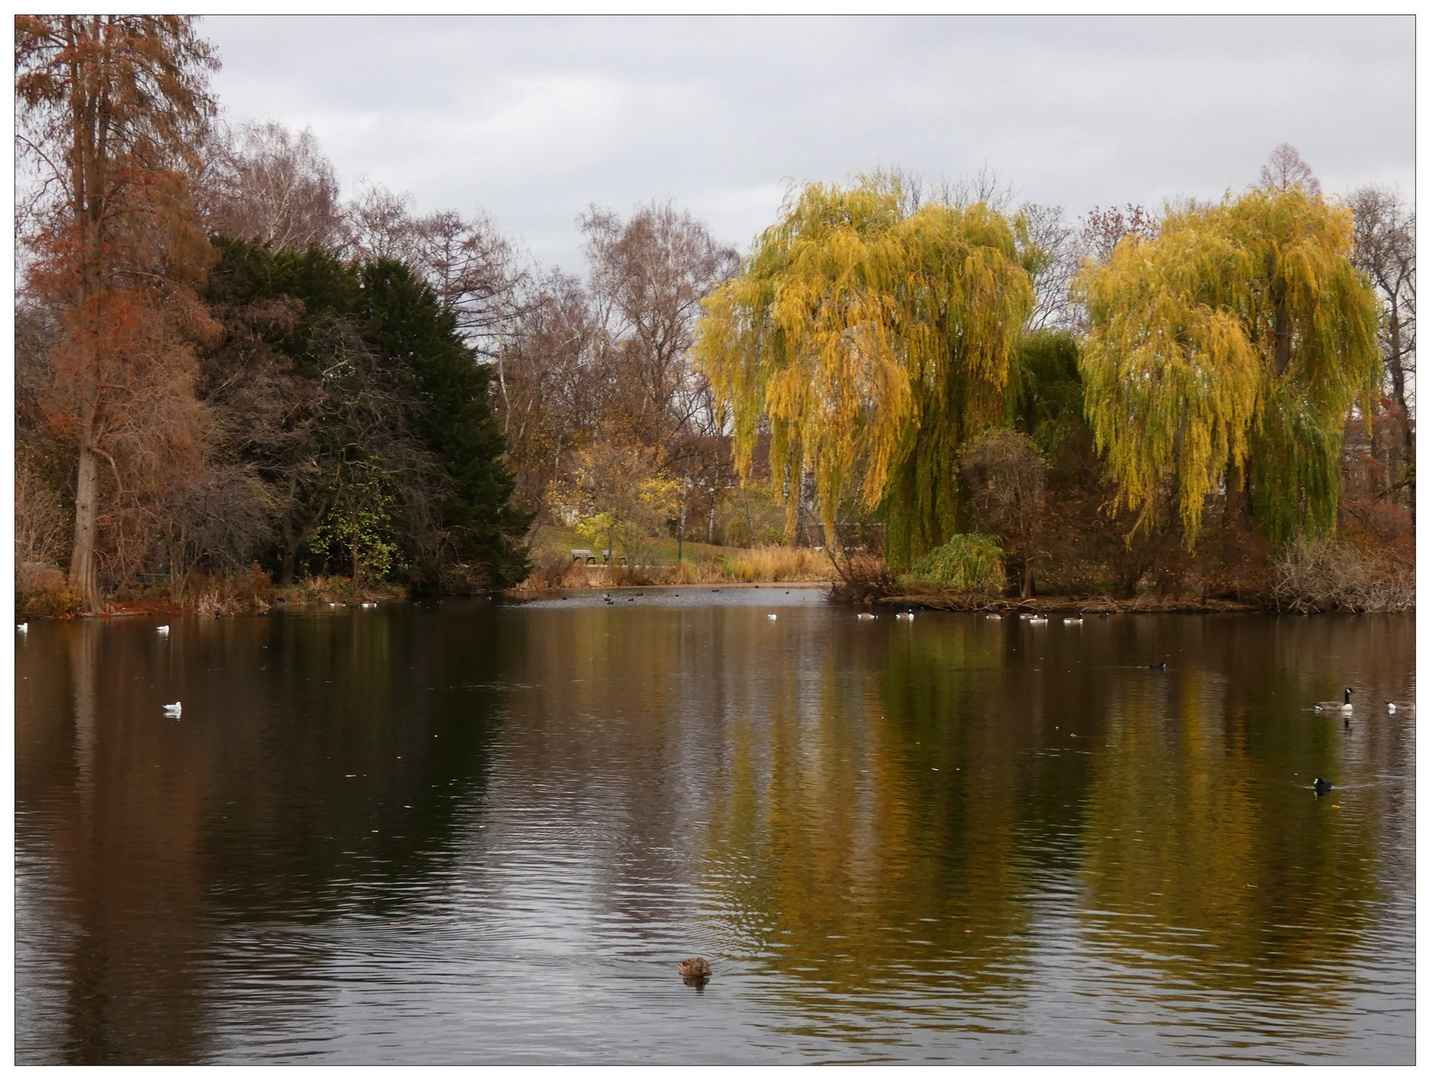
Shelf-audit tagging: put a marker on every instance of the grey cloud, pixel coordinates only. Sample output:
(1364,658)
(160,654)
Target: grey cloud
(533,119)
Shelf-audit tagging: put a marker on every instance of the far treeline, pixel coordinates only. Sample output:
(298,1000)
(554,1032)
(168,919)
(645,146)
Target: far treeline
(231,381)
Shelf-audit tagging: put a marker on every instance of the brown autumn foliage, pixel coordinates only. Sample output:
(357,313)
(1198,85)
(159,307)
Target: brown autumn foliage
(110,112)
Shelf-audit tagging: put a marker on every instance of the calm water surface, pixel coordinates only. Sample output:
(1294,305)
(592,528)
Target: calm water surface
(465,833)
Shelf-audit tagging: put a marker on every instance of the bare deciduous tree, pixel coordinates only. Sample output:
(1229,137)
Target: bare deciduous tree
(1006,477)
(1286,169)
(1102,229)
(1385,249)
(550,394)
(1053,256)
(648,278)
(264,183)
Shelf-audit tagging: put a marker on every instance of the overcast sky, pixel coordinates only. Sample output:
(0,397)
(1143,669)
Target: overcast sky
(532,119)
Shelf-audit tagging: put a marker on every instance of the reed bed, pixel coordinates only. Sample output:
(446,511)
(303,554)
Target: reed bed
(555,569)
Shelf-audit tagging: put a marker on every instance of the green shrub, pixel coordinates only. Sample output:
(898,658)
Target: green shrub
(969,562)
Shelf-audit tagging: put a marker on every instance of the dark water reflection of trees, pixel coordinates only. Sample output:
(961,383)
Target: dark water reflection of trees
(317,769)
(867,817)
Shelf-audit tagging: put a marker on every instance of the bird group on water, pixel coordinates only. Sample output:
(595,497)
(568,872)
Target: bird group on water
(696,970)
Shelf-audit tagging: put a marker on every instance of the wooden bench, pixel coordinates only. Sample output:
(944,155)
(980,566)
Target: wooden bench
(586,554)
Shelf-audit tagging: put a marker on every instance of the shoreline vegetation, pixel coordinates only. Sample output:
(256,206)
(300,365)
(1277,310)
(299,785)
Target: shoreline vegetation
(235,389)
(1313,585)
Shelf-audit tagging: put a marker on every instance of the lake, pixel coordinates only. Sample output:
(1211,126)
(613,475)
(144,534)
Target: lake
(475,833)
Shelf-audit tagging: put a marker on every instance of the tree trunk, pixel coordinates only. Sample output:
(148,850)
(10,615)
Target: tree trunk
(1397,379)
(292,541)
(84,575)
(680,539)
(1026,591)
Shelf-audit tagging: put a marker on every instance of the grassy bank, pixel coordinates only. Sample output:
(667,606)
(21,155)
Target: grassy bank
(49,596)
(664,562)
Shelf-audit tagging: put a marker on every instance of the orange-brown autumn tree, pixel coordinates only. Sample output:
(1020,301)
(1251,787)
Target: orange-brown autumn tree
(110,111)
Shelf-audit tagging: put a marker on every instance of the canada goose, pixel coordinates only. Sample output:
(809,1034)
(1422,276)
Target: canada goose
(1160,665)
(175,710)
(866,615)
(772,616)
(1321,785)
(697,967)
(24,628)
(1335,706)
(906,615)
(163,629)
(1404,706)
(993,616)
(1389,705)
(1037,620)
(1073,620)
(1103,615)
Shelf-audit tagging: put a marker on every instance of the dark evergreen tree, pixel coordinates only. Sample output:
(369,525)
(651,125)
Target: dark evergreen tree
(449,406)
(331,372)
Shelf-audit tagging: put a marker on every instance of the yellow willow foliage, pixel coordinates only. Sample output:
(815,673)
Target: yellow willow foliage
(873,339)
(1235,343)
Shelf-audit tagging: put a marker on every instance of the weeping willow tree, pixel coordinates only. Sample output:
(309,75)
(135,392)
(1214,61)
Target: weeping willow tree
(875,338)
(1226,354)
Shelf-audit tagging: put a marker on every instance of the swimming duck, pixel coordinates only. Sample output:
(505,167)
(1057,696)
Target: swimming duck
(1321,785)
(1160,665)
(175,710)
(695,968)
(1335,706)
